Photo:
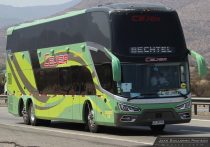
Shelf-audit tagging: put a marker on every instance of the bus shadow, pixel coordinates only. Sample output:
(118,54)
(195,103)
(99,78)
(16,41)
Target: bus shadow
(170,130)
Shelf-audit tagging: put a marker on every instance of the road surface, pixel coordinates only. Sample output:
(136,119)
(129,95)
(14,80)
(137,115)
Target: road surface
(59,134)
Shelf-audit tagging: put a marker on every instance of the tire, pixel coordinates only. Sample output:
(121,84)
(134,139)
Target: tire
(26,117)
(90,117)
(157,129)
(35,121)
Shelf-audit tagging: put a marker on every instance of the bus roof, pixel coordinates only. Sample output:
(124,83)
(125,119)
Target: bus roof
(107,8)
(131,6)
(41,21)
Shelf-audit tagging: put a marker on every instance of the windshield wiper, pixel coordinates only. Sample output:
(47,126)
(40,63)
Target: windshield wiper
(132,98)
(144,95)
(183,95)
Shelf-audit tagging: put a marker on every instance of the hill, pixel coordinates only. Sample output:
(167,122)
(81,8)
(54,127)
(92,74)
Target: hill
(194,15)
(10,15)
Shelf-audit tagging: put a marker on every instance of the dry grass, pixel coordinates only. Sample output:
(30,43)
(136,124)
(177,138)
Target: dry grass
(200,87)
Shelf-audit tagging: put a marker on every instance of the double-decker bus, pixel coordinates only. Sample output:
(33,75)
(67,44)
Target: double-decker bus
(113,65)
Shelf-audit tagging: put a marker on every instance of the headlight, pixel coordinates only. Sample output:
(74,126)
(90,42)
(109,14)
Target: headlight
(186,105)
(128,108)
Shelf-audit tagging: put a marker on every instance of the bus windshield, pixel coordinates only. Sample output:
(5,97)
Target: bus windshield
(147,33)
(153,80)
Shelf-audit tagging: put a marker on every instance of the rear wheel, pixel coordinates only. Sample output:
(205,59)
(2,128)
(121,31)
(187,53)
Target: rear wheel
(90,117)
(158,128)
(26,117)
(34,121)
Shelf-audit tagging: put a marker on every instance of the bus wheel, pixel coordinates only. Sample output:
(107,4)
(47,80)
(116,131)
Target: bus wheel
(158,128)
(34,121)
(26,117)
(92,126)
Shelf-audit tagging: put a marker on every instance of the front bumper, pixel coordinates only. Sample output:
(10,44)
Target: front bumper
(146,118)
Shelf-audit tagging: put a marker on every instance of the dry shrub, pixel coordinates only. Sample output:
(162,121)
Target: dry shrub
(200,87)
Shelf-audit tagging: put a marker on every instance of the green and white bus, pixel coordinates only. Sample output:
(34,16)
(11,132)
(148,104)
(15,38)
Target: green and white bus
(112,65)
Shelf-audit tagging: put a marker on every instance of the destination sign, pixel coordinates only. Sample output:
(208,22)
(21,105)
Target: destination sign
(145,18)
(149,50)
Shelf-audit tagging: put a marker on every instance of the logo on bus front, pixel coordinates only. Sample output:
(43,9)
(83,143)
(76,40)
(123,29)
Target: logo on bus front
(152,50)
(52,61)
(151,59)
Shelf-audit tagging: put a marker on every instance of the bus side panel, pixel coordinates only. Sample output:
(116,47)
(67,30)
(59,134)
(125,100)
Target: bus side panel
(14,87)
(109,108)
(56,107)
(77,107)
(13,105)
(21,82)
(105,107)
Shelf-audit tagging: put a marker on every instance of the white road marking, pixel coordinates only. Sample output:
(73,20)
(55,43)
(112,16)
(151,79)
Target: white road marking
(79,134)
(191,131)
(201,120)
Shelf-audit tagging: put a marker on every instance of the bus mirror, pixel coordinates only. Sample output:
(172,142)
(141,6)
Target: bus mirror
(201,63)
(116,67)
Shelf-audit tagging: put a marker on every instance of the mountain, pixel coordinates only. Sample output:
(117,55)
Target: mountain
(194,16)
(10,15)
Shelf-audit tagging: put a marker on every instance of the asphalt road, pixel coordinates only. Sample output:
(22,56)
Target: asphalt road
(59,134)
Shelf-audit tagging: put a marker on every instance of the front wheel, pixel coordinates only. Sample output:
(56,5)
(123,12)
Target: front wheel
(158,128)
(92,126)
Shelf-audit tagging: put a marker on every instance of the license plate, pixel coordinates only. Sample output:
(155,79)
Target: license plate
(158,122)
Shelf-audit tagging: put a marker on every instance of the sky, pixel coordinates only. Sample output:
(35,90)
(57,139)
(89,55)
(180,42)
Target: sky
(23,3)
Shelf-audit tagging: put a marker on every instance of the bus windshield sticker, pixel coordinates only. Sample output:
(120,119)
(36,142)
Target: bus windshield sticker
(183,85)
(135,94)
(126,87)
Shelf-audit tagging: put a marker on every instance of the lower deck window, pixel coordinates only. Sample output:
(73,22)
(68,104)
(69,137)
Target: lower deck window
(75,80)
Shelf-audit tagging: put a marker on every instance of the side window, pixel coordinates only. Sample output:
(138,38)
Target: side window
(88,87)
(65,31)
(47,81)
(98,28)
(104,72)
(75,80)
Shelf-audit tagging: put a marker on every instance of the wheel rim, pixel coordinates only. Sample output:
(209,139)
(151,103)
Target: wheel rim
(32,114)
(91,119)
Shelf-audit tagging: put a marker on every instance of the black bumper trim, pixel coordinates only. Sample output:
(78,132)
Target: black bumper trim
(148,116)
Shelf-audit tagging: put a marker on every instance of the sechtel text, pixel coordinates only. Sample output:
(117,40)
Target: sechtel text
(152,50)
